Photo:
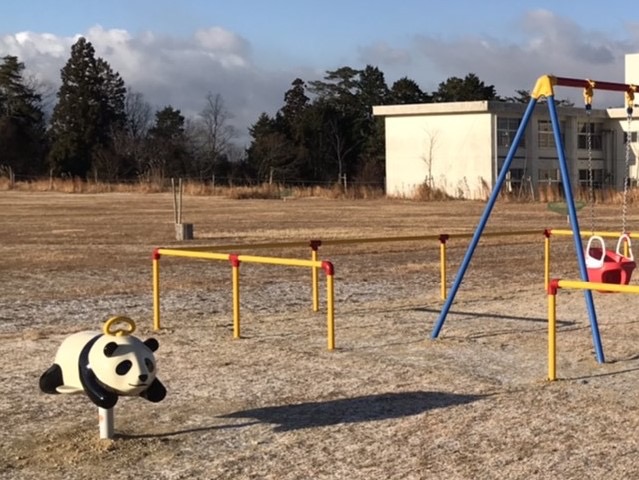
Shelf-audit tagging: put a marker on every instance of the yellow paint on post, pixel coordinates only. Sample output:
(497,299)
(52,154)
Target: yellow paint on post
(626,248)
(330,312)
(156,294)
(315,281)
(236,302)
(552,311)
(546,262)
(442,263)
(552,337)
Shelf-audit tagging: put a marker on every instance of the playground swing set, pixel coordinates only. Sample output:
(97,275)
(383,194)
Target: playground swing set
(603,265)
(597,264)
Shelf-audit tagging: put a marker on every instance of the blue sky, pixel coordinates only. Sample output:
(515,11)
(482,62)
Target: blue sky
(283,20)
(250,51)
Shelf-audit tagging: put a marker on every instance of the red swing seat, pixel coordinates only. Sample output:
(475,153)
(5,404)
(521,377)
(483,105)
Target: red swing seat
(607,266)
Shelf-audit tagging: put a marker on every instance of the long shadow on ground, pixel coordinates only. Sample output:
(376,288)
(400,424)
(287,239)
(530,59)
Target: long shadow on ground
(351,410)
(494,315)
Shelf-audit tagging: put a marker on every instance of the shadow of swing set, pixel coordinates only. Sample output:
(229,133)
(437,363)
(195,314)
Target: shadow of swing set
(600,269)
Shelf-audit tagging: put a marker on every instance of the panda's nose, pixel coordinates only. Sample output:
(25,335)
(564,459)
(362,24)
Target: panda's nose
(143,377)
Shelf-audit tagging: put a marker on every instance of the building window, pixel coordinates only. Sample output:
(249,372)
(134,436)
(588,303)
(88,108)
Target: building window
(595,136)
(545,135)
(506,131)
(514,177)
(549,175)
(597,178)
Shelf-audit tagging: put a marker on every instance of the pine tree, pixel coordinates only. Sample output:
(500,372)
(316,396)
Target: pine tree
(468,89)
(168,144)
(89,111)
(22,127)
(405,91)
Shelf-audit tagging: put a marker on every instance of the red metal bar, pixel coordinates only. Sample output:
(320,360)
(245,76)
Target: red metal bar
(583,83)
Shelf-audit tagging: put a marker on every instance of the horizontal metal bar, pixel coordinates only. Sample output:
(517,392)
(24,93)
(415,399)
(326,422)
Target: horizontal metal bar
(606,287)
(349,241)
(236,246)
(193,254)
(586,233)
(583,83)
(291,262)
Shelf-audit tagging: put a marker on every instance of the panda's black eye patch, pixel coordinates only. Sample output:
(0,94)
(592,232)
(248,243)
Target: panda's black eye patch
(123,367)
(149,364)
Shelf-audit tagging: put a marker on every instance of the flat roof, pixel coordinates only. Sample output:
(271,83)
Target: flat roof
(486,106)
(430,108)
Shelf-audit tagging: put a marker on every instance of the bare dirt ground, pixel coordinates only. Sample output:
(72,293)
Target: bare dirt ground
(388,403)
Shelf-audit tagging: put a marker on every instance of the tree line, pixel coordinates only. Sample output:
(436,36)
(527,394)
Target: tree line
(101,130)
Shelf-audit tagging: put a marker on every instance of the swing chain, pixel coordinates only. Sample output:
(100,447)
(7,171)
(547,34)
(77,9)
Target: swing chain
(630,97)
(591,185)
(588,94)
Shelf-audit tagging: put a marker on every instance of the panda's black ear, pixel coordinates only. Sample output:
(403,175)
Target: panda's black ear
(152,343)
(109,349)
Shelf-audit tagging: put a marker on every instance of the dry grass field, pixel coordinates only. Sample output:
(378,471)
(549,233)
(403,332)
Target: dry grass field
(388,403)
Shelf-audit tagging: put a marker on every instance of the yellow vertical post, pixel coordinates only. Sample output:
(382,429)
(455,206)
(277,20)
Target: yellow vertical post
(235,264)
(552,332)
(314,274)
(626,248)
(330,308)
(156,290)
(442,264)
(546,259)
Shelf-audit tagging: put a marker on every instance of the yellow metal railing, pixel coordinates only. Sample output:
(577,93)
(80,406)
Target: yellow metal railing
(443,238)
(316,244)
(205,253)
(553,289)
(235,261)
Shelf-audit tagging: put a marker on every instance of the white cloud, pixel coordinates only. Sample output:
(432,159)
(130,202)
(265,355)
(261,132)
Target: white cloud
(167,70)
(547,44)
(219,41)
(181,71)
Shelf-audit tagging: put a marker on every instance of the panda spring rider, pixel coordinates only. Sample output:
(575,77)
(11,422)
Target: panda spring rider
(105,366)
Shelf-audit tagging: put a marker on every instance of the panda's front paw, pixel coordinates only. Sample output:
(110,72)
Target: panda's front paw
(155,393)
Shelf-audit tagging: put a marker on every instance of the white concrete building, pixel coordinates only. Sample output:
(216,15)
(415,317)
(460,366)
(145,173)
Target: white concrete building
(460,147)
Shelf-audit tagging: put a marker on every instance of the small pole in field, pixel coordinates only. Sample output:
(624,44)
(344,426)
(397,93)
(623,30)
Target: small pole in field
(175,207)
(183,231)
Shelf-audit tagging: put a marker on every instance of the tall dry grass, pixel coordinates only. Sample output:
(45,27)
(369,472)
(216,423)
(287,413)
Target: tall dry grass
(195,188)
(610,196)
(424,193)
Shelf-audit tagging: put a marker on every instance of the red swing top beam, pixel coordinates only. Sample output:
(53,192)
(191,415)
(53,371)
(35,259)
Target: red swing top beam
(545,84)
(575,82)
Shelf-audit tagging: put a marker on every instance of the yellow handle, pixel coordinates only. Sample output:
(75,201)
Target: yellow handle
(108,330)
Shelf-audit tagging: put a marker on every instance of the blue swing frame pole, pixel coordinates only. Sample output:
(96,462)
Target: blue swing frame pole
(484,218)
(574,222)
(572,212)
